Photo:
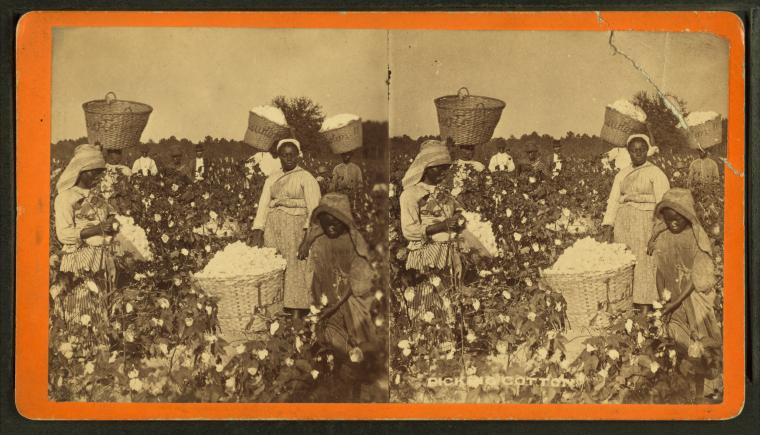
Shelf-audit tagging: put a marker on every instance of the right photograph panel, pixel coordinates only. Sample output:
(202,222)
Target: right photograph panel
(556,216)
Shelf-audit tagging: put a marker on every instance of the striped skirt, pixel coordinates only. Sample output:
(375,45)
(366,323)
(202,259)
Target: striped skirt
(633,227)
(87,275)
(435,260)
(284,232)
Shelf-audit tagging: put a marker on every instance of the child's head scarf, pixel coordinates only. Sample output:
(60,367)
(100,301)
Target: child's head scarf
(682,202)
(338,206)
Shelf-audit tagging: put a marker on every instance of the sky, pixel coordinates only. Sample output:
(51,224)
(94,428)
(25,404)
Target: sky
(203,81)
(551,82)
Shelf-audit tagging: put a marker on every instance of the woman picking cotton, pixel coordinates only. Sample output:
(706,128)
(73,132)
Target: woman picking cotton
(83,226)
(685,276)
(629,217)
(430,224)
(288,199)
(343,279)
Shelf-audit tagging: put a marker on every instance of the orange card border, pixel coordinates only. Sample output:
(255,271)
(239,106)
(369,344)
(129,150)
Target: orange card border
(33,106)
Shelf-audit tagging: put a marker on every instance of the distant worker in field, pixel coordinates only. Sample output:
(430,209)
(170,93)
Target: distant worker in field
(703,170)
(463,164)
(346,176)
(115,173)
(501,161)
(144,165)
(178,165)
(465,156)
(534,164)
(554,162)
(323,178)
(201,166)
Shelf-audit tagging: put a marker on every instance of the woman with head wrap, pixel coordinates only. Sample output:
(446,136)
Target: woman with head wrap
(430,224)
(84,227)
(629,216)
(287,200)
(684,268)
(343,278)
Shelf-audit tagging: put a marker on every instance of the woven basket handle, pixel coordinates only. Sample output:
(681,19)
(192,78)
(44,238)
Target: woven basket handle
(466,93)
(110,97)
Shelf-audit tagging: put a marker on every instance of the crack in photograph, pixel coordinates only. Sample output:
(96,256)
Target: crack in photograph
(557,216)
(408,216)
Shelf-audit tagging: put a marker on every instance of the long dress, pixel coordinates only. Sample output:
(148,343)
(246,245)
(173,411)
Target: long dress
(287,200)
(338,269)
(680,264)
(434,256)
(630,207)
(88,270)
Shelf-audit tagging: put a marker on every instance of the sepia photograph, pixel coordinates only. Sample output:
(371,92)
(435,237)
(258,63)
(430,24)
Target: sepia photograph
(556,213)
(218,221)
(380,216)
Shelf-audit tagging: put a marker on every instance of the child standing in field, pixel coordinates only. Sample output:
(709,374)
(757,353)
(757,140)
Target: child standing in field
(346,176)
(685,277)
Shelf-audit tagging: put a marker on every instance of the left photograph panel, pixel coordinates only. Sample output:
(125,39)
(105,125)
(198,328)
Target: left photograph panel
(218,215)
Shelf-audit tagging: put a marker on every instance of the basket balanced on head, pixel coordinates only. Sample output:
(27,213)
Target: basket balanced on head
(343,132)
(247,281)
(266,126)
(705,129)
(591,275)
(115,124)
(622,119)
(468,119)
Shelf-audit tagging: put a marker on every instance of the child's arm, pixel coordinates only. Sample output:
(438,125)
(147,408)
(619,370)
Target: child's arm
(332,309)
(673,305)
(658,229)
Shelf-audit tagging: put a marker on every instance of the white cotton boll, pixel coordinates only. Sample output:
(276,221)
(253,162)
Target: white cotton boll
(274,327)
(338,121)
(238,257)
(271,113)
(135,235)
(629,326)
(629,109)
(587,255)
(697,118)
(482,230)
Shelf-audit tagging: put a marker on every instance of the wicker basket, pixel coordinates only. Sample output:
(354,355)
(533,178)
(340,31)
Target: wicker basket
(262,133)
(115,124)
(346,138)
(586,292)
(468,119)
(241,296)
(705,135)
(618,128)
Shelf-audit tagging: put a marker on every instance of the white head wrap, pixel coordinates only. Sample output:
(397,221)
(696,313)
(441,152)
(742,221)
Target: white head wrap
(290,141)
(643,137)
